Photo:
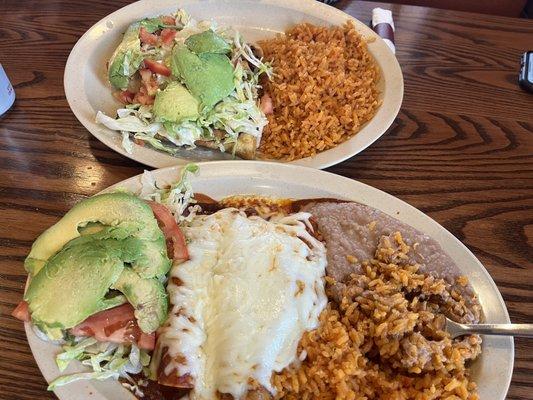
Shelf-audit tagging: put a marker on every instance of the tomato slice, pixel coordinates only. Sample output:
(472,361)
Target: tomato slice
(266,104)
(147,37)
(168,20)
(156,67)
(148,89)
(22,312)
(144,99)
(146,75)
(176,245)
(167,36)
(124,96)
(117,325)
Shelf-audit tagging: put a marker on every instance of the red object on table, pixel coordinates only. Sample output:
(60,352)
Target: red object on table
(460,150)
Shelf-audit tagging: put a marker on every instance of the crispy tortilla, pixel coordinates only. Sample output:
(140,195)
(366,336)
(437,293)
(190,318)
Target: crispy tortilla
(244,147)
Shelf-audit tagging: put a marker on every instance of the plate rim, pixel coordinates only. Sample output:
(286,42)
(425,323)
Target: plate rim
(282,172)
(157,159)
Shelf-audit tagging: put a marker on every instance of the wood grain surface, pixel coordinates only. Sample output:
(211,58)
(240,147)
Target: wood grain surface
(460,150)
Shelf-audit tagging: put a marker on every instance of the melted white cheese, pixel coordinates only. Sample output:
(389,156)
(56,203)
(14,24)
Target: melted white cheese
(251,289)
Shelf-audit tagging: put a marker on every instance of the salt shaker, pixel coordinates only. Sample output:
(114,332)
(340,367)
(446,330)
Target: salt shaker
(7,93)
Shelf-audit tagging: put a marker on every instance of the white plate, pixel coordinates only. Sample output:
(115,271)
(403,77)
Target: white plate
(88,91)
(492,371)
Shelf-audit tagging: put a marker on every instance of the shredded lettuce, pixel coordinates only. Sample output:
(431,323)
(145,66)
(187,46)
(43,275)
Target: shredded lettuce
(130,123)
(183,18)
(178,197)
(66,379)
(235,117)
(107,360)
(182,134)
(126,142)
(103,354)
(189,26)
(73,353)
(155,143)
(144,113)
(242,50)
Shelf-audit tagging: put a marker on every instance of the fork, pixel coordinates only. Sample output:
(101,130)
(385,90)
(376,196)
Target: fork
(456,329)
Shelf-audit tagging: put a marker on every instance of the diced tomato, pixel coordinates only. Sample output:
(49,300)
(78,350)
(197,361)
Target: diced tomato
(124,96)
(147,37)
(144,99)
(266,104)
(167,36)
(117,325)
(157,68)
(149,84)
(176,245)
(22,312)
(146,75)
(148,88)
(168,20)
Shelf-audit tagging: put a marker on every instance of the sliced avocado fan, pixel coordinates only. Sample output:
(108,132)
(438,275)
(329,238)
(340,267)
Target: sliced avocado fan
(123,214)
(123,249)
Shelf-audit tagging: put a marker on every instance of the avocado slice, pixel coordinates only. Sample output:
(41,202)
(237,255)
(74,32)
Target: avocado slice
(135,251)
(126,58)
(207,42)
(152,24)
(208,76)
(147,296)
(73,283)
(175,104)
(123,215)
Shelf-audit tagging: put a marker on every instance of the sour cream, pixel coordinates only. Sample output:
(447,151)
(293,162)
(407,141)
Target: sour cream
(243,301)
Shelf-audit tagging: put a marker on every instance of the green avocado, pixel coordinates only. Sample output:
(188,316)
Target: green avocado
(208,76)
(152,24)
(175,104)
(207,42)
(109,241)
(126,58)
(122,215)
(147,296)
(73,283)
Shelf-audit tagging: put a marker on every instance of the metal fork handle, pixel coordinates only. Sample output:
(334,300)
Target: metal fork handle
(523,330)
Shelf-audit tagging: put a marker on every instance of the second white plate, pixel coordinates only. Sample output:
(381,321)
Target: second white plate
(88,91)
(492,371)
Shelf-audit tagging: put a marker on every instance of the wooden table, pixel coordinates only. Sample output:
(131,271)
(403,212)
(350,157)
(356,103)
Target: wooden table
(460,150)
